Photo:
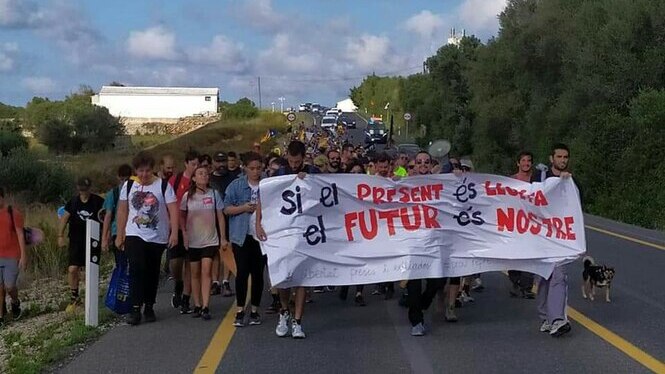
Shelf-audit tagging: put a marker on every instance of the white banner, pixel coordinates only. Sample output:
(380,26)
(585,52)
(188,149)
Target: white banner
(331,229)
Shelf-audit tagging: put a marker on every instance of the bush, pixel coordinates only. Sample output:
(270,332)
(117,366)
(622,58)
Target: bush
(10,140)
(242,109)
(34,180)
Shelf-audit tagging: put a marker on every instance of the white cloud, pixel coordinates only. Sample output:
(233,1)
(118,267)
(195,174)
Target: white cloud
(369,51)
(19,13)
(223,53)
(155,43)
(426,24)
(284,57)
(262,15)
(39,85)
(8,52)
(481,15)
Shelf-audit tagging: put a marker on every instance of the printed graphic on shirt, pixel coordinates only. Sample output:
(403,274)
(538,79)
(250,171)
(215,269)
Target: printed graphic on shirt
(147,208)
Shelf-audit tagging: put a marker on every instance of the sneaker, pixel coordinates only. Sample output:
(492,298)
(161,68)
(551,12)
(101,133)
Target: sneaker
(134,317)
(377,291)
(450,314)
(330,288)
(227,291)
(477,285)
(176,300)
(559,327)
(149,313)
(418,330)
(205,314)
(360,300)
(240,319)
(296,330)
(283,324)
(466,298)
(185,309)
(254,319)
(196,313)
(545,326)
(16,310)
(216,288)
(318,289)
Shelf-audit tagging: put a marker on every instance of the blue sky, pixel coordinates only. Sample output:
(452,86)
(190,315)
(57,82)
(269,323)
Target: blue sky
(303,50)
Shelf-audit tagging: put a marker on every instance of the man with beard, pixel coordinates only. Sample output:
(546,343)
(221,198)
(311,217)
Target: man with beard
(334,162)
(553,292)
(220,179)
(417,300)
(346,156)
(166,167)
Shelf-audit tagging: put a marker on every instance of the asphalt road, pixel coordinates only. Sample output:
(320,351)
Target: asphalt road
(495,334)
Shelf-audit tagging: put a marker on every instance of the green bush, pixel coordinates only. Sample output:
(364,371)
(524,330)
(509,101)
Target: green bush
(10,140)
(35,180)
(242,109)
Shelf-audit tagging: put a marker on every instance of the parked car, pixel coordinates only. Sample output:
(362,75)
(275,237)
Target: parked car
(302,108)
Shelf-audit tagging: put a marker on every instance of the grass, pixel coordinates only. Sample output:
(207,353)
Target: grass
(34,352)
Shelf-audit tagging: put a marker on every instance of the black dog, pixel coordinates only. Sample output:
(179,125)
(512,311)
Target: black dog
(596,276)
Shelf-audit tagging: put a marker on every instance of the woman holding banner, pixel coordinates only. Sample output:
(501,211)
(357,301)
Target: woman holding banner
(240,203)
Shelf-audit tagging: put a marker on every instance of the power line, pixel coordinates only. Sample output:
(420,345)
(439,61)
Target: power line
(411,69)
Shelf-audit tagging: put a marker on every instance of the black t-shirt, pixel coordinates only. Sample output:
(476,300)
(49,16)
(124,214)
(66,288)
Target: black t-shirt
(79,212)
(537,177)
(221,181)
(235,173)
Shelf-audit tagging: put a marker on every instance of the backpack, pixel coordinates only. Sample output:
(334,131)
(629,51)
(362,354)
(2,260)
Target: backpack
(130,183)
(30,235)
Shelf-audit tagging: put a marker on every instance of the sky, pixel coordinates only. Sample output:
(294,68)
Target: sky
(304,51)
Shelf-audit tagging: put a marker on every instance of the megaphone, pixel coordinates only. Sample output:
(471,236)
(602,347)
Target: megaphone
(439,151)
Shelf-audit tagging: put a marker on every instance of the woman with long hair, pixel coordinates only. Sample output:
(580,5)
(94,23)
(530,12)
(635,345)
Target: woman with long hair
(204,233)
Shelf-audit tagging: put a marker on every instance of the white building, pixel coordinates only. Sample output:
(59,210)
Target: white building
(157,104)
(346,105)
(455,38)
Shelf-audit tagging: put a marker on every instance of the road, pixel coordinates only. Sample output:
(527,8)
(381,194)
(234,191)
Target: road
(495,334)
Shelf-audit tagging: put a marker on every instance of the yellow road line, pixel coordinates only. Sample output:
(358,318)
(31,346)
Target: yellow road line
(634,240)
(218,345)
(618,342)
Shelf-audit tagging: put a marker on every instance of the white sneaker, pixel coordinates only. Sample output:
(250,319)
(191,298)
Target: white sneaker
(418,330)
(545,326)
(559,327)
(296,330)
(283,325)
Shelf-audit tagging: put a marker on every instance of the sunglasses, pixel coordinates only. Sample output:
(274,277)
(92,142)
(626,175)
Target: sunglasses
(420,162)
(455,165)
(465,168)
(404,157)
(412,167)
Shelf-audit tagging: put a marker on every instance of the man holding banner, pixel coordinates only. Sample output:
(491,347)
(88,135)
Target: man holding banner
(552,295)
(295,154)
(355,229)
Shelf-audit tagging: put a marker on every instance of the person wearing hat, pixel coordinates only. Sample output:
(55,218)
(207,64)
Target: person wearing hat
(82,207)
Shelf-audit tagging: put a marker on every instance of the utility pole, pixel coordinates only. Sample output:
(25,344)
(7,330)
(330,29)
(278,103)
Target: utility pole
(281,103)
(260,104)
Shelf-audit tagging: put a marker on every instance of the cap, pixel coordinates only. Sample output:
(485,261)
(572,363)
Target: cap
(83,182)
(465,162)
(219,157)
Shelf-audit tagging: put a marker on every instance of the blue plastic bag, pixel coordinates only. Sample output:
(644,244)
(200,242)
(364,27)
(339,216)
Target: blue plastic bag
(117,296)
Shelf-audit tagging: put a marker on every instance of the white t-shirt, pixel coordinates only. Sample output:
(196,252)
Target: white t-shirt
(148,215)
(201,211)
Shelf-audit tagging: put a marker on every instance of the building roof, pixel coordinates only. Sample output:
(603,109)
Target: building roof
(180,91)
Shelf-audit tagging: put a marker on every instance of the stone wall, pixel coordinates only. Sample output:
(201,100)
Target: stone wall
(170,126)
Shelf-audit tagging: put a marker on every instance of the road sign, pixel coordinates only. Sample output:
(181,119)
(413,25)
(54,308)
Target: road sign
(291,117)
(407,116)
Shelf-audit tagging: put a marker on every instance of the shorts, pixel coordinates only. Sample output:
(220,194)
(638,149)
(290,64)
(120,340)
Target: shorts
(179,250)
(196,254)
(76,255)
(8,272)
